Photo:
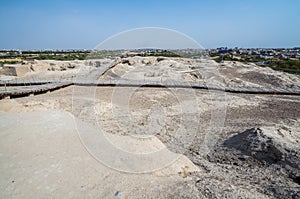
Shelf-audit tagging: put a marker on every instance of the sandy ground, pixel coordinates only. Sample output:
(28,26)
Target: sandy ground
(48,160)
(63,144)
(202,71)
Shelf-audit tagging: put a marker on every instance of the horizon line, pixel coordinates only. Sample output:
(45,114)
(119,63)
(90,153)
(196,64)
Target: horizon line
(86,49)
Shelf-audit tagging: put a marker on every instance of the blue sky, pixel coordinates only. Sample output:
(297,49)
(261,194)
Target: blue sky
(66,24)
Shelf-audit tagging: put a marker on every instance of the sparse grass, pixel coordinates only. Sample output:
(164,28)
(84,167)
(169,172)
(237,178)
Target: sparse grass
(43,55)
(294,73)
(273,63)
(291,64)
(161,54)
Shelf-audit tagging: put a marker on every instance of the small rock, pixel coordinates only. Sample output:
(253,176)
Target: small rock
(118,193)
(198,181)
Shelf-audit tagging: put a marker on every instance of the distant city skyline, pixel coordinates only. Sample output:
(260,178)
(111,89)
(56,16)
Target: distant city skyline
(79,24)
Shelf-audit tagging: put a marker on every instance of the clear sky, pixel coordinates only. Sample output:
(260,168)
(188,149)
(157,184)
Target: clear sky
(83,24)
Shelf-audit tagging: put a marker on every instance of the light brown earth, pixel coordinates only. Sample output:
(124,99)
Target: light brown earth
(211,144)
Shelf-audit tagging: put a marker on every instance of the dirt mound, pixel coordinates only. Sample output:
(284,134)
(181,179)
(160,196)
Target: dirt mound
(270,146)
(266,158)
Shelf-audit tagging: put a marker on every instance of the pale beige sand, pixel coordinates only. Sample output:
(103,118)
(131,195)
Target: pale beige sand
(42,156)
